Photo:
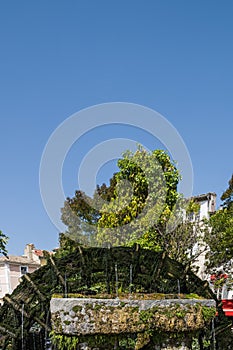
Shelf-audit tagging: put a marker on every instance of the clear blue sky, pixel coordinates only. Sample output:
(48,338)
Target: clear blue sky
(58,57)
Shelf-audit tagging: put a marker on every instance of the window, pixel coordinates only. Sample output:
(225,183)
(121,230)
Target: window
(190,216)
(197,216)
(23,270)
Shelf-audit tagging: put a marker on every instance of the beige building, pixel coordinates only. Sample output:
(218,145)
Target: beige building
(12,268)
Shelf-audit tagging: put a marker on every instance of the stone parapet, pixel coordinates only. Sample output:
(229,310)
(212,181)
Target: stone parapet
(174,319)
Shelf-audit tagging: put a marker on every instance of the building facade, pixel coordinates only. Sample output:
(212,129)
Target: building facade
(207,207)
(12,268)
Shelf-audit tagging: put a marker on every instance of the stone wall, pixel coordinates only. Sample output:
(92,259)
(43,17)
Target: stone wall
(174,320)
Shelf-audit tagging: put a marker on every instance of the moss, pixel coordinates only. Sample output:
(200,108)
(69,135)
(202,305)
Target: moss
(122,304)
(62,342)
(120,341)
(102,342)
(90,271)
(180,313)
(67,323)
(77,308)
(97,307)
(192,296)
(208,313)
(134,309)
(145,316)
(57,295)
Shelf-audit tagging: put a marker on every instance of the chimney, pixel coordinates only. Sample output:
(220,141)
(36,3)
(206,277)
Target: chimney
(28,251)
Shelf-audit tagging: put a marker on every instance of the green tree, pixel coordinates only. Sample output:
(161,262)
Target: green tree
(3,243)
(143,201)
(79,217)
(227,196)
(141,205)
(220,237)
(81,214)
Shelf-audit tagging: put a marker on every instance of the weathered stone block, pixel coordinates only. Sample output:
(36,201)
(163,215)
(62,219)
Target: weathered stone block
(91,317)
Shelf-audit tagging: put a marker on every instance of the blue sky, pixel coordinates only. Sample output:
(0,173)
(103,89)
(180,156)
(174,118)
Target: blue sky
(58,57)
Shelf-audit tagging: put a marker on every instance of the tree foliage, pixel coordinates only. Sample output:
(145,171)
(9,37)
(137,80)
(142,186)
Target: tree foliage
(81,213)
(143,200)
(3,243)
(141,205)
(220,238)
(227,196)
(80,217)
(143,192)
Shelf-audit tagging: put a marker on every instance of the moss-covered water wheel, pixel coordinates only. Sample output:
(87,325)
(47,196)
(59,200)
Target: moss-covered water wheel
(88,271)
